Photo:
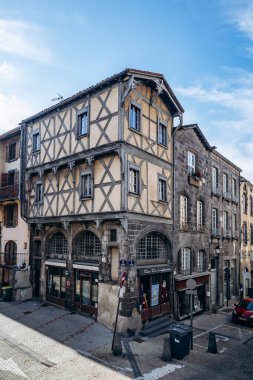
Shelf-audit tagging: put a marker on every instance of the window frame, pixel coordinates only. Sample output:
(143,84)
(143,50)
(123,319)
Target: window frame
(186,259)
(214,219)
(200,213)
(79,114)
(138,107)
(200,260)
(183,210)
(215,178)
(11,144)
(225,183)
(36,148)
(191,167)
(38,194)
(162,180)
(135,168)
(234,187)
(161,124)
(14,220)
(86,173)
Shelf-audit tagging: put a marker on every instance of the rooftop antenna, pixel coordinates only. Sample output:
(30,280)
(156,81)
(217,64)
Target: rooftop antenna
(60,97)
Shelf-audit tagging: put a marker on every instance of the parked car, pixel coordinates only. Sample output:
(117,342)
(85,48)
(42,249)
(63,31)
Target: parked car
(243,312)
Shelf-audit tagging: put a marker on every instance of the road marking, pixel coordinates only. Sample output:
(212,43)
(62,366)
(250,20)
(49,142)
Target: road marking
(159,372)
(207,331)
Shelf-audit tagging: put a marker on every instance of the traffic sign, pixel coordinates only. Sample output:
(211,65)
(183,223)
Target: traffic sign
(191,284)
(192,292)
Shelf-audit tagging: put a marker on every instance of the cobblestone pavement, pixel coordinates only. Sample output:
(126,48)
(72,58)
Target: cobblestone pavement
(46,342)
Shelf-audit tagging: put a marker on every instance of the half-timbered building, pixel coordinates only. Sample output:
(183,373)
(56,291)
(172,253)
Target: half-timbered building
(97,194)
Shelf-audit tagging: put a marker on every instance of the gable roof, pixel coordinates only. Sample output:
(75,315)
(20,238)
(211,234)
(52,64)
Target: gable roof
(151,78)
(198,132)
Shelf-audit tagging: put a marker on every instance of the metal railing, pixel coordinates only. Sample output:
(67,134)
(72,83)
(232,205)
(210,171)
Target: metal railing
(16,258)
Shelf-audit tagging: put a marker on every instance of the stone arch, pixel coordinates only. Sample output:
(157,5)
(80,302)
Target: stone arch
(87,246)
(56,245)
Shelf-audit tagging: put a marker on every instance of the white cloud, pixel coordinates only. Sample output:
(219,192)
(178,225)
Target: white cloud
(7,71)
(20,38)
(242,17)
(12,111)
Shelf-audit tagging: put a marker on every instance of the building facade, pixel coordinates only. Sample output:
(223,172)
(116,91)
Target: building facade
(192,187)
(225,228)
(14,243)
(246,275)
(98,197)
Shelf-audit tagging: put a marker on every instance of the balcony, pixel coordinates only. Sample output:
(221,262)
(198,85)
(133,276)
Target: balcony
(216,232)
(11,259)
(226,195)
(234,198)
(216,191)
(9,189)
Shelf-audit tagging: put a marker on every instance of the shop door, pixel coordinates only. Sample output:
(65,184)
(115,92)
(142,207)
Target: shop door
(86,292)
(155,295)
(56,282)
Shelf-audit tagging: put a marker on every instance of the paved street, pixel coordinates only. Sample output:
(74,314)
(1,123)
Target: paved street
(46,342)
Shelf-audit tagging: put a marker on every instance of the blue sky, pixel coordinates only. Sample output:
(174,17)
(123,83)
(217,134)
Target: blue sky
(204,49)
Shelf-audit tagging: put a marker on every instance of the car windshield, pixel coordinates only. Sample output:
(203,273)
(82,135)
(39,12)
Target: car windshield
(244,304)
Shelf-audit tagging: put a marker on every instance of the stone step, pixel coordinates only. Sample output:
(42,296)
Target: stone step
(156,327)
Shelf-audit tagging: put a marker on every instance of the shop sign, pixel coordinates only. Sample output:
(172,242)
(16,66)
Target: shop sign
(153,270)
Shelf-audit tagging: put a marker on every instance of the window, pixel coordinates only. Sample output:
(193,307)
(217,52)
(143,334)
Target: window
(134,180)
(35,141)
(199,214)
(162,134)
(11,215)
(58,244)
(234,224)
(183,211)
(244,232)
(215,221)
(83,122)
(185,260)
(85,185)
(162,183)
(88,245)
(191,163)
(251,205)
(214,179)
(11,177)
(152,246)
(135,117)
(225,183)
(38,193)
(251,233)
(113,235)
(244,203)
(234,187)
(11,151)
(200,261)
(225,222)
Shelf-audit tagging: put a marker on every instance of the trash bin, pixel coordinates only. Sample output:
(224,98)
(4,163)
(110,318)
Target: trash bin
(7,293)
(179,342)
(188,330)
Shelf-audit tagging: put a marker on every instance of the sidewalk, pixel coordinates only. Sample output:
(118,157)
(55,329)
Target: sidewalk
(64,345)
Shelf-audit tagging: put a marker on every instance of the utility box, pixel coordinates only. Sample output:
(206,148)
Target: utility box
(7,292)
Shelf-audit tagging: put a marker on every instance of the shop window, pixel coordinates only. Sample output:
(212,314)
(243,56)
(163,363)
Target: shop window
(135,117)
(86,288)
(58,246)
(152,247)
(11,215)
(56,282)
(198,302)
(88,246)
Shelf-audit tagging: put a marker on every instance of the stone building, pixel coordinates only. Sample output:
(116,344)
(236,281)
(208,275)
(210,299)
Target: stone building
(192,187)
(225,227)
(14,234)
(97,195)
(246,275)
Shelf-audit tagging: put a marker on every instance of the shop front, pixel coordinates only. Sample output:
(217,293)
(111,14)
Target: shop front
(86,289)
(155,292)
(56,282)
(199,300)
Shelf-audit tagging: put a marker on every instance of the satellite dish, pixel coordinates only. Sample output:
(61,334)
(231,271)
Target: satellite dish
(60,97)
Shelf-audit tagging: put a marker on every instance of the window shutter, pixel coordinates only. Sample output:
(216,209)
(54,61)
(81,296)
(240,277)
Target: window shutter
(7,153)
(16,178)
(4,179)
(5,216)
(15,216)
(193,261)
(17,149)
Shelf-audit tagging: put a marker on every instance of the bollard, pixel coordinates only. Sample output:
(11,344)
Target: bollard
(166,355)
(117,346)
(212,345)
